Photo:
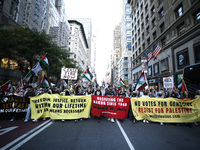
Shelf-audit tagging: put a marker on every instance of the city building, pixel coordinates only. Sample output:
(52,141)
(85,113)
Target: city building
(78,44)
(87,25)
(116,55)
(46,15)
(124,64)
(174,26)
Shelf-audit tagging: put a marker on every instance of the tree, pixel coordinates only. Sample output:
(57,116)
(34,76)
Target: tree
(28,46)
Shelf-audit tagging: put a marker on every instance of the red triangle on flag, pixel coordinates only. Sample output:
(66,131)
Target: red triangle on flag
(5,86)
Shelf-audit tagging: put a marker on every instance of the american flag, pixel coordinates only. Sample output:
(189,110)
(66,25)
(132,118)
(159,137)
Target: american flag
(148,55)
(156,51)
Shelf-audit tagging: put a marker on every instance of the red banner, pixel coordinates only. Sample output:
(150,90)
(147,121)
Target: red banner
(113,107)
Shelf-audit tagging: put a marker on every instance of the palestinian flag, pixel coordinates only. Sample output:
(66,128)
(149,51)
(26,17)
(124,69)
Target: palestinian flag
(4,87)
(45,81)
(45,61)
(180,85)
(63,82)
(21,83)
(121,82)
(87,75)
(184,88)
(141,82)
(28,76)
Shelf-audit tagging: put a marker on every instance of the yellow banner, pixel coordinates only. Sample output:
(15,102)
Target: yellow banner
(60,107)
(166,110)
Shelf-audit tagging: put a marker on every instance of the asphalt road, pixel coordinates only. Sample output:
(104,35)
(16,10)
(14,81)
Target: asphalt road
(89,134)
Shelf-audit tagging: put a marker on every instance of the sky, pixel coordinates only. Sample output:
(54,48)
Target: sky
(105,15)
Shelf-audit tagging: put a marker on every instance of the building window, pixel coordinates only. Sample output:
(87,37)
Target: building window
(163,42)
(197,17)
(154,35)
(153,23)
(147,19)
(143,36)
(142,26)
(142,17)
(138,31)
(143,46)
(150,71)
(138,41)
(179,11)
(182,58)
(146,9)
(159,2)
(14,9)
(156,69)
(161,13)
(162,27)
(148,41)
(153,10)
(147,30)
(139,50)
(197,52)
(164,65)
(181,29)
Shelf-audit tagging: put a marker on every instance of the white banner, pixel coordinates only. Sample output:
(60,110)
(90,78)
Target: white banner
(69,73)
(168,82)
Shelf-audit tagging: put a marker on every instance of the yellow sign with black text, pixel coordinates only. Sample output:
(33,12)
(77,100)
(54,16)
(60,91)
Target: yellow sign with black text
(60,107)
(169,110)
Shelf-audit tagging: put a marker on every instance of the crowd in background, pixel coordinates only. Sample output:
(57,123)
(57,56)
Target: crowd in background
(110,90)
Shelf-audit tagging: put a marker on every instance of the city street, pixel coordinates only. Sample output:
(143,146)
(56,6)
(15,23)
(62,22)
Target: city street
(91,134)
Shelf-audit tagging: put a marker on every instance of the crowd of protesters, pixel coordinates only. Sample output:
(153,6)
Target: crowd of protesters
(110,90)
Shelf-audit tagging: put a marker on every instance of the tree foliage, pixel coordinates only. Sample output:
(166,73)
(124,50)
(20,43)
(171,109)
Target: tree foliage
(27,46)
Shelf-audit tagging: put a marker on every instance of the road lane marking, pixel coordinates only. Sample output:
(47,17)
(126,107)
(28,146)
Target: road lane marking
(5,130)
(24,135)
(125,136)
(30,137)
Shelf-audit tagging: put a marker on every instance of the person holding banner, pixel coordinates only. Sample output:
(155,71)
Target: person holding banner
(28,95)
(109,92)
(78,92)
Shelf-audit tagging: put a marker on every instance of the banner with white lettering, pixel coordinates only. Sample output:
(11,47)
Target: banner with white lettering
(113,107)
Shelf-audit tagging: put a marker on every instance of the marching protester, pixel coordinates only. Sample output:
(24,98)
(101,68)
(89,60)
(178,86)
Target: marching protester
(80,93)
(30,93)
(98,91)
(109,92)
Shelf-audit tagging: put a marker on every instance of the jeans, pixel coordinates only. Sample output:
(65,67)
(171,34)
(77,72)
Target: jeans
(28,112)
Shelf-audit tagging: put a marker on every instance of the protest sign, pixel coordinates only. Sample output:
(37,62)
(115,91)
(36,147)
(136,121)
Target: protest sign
(168,82)
(113,107)
(166,110)
(60,107)
(13,105)
(69,73)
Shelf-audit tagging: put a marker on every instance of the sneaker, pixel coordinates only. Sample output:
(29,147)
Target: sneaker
(108,119)
(81,119)
(133,121)
(63,120)
(75,121)
(161,123)
(147,121)
(11,119)
(144,121)
(44,118)
(112,120)
(25,120)
(35,120)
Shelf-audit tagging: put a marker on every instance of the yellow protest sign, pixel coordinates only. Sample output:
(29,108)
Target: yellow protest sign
(60,107)
(166,110)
